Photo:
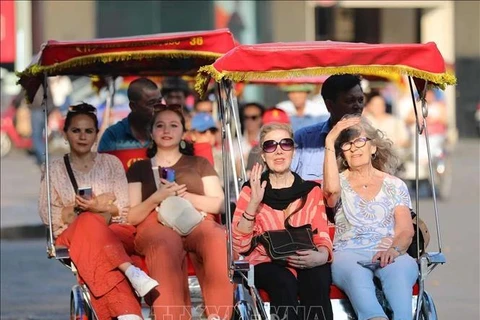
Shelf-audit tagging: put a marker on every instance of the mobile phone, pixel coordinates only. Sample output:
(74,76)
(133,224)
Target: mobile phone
(168,174)
(85,192)
(370,265)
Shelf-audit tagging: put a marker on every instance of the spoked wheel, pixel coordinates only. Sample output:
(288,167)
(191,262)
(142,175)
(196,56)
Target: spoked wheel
(428,310)
(5,144)
(79,309)
(443,179)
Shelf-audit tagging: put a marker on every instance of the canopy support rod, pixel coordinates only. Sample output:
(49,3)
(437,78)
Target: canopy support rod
(417,135)
(226,183)
(51,243)
(236,120)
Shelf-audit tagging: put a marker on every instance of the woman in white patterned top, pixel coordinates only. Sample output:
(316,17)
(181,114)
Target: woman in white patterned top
(100,250)
(372,219)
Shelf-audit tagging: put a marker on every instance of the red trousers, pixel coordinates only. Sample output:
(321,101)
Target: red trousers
(165,251)
(97,250)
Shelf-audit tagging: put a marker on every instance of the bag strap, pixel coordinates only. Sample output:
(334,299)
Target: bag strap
(156,173)
(70,173)
(286,223)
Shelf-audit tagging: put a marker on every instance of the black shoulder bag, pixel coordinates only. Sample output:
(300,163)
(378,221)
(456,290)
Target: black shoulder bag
(106,216)
(281,244)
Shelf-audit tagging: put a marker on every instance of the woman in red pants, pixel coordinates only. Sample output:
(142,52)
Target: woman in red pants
(94,228)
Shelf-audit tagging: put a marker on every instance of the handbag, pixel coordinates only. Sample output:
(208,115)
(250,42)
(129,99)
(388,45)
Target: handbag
(66,160)
(423,237)
(280,244)
(175,212)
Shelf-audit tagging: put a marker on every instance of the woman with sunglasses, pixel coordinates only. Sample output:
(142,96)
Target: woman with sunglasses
(265,203)
(164,248)
(99,250)
(372,218)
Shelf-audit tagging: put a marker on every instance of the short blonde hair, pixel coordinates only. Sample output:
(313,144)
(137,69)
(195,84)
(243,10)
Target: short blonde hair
(266,129)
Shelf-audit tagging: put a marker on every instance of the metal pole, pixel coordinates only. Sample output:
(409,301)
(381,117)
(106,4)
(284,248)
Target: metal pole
(51,244)
(417,133)
(226,182)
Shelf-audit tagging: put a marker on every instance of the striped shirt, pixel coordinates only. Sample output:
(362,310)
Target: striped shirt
(313,212)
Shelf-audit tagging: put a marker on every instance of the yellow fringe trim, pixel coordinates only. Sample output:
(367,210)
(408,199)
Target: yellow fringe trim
(439,79)
(36,69)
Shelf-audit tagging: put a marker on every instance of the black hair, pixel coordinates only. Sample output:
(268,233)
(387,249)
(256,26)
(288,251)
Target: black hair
(152,148)
(337,84)
(373,94)
(259,106)
(135,88)
(80,109)
(171,84)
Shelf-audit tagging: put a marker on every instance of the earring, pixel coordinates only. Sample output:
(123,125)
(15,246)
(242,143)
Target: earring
(183,145)
(374,156)
(345,163)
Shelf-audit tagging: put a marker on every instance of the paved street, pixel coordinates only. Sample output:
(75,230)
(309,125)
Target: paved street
(33,287)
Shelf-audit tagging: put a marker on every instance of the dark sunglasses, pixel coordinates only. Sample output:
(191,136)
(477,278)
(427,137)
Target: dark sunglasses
(84,108)
(270,146)
(251,117)
(157,107)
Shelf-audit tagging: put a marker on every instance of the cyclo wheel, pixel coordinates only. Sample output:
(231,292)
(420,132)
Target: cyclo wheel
(79,309)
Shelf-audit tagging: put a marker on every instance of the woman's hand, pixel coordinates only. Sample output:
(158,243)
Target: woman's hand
(386,257)
(96,203)
(338,128)
(258,189)
(308,258)
(167,189)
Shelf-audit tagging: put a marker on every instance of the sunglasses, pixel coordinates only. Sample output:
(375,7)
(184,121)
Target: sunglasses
(251,117)
(84,108)
(270,146)
(358,143)
(157,107)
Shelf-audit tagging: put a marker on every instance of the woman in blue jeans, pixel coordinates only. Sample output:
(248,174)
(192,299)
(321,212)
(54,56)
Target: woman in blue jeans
(372,219)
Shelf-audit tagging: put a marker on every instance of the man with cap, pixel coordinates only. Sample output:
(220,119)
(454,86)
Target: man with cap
(343,95)
(132,132)
(302,111)
(203,132)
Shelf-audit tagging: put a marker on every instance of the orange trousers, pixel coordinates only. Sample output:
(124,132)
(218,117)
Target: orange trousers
(165,252)
(97,250)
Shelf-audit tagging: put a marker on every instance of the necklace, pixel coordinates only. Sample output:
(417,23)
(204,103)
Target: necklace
(84,165)
(162,162)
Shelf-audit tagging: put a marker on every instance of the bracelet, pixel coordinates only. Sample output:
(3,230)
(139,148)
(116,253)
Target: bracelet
(327,148)
(244,215)
(397,249)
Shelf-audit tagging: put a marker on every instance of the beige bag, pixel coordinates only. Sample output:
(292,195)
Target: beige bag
(175,212)
(179,214)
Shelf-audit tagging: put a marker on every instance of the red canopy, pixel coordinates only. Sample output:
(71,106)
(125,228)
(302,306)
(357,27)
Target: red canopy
(305,59)
(167,54)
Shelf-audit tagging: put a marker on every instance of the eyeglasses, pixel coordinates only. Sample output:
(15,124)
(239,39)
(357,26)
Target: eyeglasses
(358,143)
(84,108)
(255,117)
(270,146)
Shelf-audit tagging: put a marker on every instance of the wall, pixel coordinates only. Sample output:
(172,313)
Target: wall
(467,67)
(398,25)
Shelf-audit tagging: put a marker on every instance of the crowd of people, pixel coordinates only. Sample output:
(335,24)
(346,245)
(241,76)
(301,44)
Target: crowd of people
(302,161)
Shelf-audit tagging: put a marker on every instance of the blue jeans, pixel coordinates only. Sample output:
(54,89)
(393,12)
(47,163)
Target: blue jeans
(356,281)
(38,141)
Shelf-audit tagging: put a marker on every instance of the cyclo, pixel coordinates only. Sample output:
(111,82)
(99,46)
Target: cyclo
(284,62)
(170,54)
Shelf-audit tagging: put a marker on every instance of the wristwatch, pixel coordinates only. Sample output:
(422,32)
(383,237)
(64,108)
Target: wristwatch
(398,250)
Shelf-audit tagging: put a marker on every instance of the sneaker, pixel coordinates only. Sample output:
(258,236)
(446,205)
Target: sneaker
(129,317)
(140,281)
